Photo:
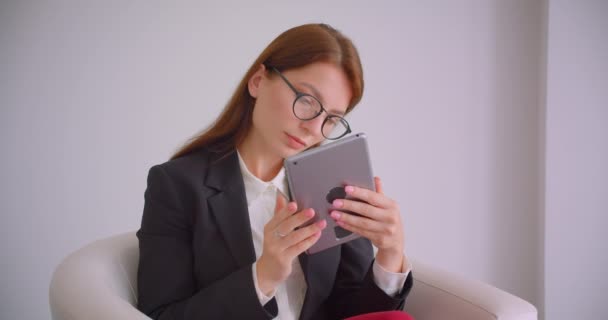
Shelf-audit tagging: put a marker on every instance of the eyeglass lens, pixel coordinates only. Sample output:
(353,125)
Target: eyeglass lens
(307,107)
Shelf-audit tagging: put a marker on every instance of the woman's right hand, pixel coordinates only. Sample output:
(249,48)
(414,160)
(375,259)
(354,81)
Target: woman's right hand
(283,242)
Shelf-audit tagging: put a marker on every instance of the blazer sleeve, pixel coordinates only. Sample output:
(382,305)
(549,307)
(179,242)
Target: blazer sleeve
(355,291)
(167,286)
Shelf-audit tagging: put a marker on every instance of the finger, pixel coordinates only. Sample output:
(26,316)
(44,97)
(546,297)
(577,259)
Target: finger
(301,234)
(282,210)
(372,197)
(298,248)
(379,187)
(380,240)
(354,229)
(362,223)
(362,208)
(293,221)
(360,231)
(280,205)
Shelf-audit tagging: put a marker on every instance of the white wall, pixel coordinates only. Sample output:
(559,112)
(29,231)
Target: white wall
(93,94)
(576,181)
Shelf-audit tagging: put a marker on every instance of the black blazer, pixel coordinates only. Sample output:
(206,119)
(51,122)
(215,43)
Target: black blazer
(196,252)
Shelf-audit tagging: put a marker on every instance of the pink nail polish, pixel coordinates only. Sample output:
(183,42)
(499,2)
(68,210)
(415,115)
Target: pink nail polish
(322,224)
(349,189)
(335,215)
(292,206)
(337,203)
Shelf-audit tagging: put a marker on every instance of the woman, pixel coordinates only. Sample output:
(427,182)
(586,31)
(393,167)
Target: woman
(218,239)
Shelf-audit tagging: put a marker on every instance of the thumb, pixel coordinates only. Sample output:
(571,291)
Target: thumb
(281,203)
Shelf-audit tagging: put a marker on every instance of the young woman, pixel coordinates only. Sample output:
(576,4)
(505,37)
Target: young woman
(218,239)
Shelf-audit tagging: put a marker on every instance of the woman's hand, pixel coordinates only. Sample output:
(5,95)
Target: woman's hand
(380,222)
(283,243)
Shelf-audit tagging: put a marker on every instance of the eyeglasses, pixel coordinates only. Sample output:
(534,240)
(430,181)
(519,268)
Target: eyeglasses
(307,107)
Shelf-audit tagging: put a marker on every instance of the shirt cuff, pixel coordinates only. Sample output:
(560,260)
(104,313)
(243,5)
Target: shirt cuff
(261,296)
(390,282)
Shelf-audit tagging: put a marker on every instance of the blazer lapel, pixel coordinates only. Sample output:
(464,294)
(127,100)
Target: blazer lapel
(229,206)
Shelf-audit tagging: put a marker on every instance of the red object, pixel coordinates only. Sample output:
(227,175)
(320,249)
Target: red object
(384,315)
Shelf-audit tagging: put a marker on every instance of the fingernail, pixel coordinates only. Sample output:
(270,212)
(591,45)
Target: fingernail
(322,224)
(310,213)
(292,206)
(337,203)
(349,189)
(335,215)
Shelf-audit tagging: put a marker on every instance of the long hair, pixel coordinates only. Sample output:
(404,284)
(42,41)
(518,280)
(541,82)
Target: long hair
(296,47)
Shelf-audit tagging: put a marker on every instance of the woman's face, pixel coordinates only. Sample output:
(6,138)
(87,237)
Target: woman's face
(275,127)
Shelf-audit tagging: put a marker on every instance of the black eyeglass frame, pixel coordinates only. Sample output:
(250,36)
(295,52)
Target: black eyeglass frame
(300,94)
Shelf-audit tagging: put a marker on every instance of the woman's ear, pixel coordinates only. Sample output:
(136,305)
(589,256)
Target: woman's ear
(254,82)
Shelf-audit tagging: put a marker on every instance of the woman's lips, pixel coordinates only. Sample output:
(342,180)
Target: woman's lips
(294,142)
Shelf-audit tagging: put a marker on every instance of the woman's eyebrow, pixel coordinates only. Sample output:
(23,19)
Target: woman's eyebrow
(318,95)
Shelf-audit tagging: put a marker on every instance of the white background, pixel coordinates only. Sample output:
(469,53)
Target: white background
(488,122)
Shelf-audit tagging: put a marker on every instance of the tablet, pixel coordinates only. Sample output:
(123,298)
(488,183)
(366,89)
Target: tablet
(317,177)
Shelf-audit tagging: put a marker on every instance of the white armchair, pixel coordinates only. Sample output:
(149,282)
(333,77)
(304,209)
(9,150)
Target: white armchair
(99,281)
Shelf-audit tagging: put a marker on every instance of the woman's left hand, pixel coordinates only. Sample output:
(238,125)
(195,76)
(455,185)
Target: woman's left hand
(380,222)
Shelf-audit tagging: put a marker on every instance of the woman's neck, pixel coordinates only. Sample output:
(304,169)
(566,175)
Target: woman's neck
(260,162)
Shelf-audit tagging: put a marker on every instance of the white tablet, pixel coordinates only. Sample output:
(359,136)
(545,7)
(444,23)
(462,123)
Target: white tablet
(318,176)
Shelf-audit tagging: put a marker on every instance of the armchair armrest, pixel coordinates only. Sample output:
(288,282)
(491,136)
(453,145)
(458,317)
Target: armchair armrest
(98,281)
(440,294)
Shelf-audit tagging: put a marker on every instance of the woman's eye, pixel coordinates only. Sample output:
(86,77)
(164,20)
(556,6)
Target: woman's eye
(309,101)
